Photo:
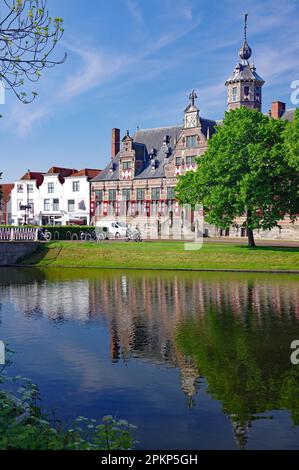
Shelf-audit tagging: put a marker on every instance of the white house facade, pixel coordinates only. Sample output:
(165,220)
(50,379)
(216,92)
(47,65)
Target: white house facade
(59,197)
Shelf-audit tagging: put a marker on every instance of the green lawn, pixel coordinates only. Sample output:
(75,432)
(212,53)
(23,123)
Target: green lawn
(164,255)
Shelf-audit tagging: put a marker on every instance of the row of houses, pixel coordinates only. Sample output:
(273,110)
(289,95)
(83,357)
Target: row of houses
(59,197)
(140,178)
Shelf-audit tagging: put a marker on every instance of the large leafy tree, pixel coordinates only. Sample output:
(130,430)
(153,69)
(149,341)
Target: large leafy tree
(244,172)
(292,141)
(28,37)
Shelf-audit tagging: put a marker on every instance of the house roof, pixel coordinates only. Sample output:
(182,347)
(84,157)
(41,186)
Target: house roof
(55,170)
(289,115)
(147,140)
(90,173)
(34,176)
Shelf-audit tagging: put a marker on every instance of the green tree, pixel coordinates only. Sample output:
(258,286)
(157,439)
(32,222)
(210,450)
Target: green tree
(28,36)
(244,172)
(292,141)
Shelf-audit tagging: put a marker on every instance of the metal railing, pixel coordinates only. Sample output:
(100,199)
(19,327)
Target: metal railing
(18,234)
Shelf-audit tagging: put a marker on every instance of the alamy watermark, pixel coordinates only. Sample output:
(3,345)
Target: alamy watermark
(2,92)
(295,354)
(2,353)
(295,93)
(157,221)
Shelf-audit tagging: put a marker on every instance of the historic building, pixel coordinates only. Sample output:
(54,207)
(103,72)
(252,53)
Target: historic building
(139,181)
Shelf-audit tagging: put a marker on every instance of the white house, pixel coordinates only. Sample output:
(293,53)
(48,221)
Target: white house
(59,197)
(25,200)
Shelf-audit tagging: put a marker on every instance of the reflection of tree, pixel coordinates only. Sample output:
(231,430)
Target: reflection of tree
(246,365)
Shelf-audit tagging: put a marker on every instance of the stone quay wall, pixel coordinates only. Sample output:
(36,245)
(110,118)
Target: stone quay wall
(10,252)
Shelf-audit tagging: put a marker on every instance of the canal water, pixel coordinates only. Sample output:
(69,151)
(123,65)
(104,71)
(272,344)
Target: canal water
(195,361)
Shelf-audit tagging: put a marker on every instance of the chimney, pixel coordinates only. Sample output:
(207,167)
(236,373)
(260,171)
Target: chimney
(115,142)
(278,109)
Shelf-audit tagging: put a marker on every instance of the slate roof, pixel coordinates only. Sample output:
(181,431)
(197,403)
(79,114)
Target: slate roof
(244,72)
(289,115)
(144,141)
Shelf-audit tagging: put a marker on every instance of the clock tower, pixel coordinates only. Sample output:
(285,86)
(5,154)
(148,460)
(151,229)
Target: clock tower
(244,86)
(192,113)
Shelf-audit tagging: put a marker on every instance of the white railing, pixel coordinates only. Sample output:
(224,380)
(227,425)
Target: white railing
(18,234)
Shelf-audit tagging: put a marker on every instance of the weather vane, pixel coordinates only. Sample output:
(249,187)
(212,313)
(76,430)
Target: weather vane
(192,97)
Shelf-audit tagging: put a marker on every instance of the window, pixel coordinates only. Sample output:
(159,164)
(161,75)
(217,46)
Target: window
(19,203)
(20,188)
(55,204)
(178,161)
(127,165)
(234,94)
(170,193)
(126,194)
(246,91)
(47,205)
(155,194)
(191,141)
(76,186)
(112,194)
(50,188)
(190,160)
(71,205)
(99,195)
(258,94)
(140,194)
(30,188)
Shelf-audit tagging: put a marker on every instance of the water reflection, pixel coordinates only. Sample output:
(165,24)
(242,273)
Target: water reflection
(233,331)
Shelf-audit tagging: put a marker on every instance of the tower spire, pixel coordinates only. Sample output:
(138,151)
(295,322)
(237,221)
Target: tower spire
(245,51)
(245,27)
(244,86)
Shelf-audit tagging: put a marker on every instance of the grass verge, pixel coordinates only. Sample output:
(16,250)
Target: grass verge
(164,255)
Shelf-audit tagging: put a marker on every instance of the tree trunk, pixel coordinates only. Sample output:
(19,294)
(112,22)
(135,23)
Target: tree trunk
(251,242)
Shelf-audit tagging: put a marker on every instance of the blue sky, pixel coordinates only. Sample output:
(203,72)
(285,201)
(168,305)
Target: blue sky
(132,63)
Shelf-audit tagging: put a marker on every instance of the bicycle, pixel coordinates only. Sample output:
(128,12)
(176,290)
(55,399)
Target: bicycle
(44,235)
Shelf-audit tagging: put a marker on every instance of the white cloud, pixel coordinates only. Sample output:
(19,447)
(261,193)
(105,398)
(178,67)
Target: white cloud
(23,118)
(135,11)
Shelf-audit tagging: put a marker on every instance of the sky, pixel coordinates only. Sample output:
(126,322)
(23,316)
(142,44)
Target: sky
(133,63)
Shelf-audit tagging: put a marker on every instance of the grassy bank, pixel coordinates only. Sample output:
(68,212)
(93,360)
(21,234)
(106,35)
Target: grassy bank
(164,255)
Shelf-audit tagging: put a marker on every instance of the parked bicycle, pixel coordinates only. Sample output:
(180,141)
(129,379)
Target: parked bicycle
(134,235)
(44,235)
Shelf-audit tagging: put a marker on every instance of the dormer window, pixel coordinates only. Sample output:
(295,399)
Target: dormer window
(191,141)
(127,165)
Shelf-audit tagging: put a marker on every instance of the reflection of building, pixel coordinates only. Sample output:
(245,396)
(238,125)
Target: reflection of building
(144,311)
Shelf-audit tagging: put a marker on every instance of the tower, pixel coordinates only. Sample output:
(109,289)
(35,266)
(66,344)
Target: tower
(192,113)
(244,87)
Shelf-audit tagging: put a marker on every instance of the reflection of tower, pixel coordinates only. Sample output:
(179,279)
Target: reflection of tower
(189,380)
(114,343)
(240,432)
